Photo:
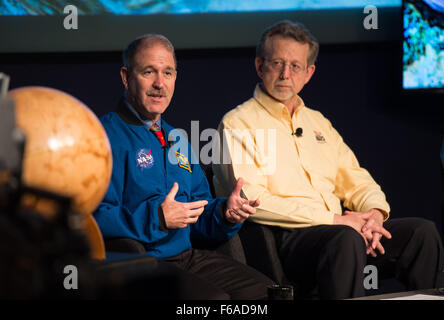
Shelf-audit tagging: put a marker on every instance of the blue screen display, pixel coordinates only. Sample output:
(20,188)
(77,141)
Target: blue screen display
(141,7)
(423,44)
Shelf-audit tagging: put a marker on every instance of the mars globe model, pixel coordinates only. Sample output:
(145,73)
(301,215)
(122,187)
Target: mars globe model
(66,152)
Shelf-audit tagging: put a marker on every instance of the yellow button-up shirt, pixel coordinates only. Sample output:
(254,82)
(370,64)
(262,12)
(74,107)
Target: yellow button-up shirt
(299,180)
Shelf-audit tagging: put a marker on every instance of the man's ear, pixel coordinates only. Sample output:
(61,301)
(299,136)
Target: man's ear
(259,64)
(310,70)
(124,74)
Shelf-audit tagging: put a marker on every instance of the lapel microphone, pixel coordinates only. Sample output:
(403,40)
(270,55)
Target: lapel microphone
(297,132)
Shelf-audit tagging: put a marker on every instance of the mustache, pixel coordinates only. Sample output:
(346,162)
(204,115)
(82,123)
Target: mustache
(157,92)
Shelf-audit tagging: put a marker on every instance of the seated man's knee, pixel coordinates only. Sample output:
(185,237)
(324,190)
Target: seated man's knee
(425,225)
(420,226)
(426,228)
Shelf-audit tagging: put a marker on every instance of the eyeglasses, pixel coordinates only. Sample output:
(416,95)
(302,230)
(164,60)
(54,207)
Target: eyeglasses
(278,65)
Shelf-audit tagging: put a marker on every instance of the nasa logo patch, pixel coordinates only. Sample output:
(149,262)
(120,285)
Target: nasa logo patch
(144,159)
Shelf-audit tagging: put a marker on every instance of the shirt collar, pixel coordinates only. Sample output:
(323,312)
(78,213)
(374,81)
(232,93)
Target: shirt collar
(274,107)
(146,122)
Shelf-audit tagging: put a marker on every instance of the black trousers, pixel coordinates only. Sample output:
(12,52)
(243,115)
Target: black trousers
(333,257)
(209,275)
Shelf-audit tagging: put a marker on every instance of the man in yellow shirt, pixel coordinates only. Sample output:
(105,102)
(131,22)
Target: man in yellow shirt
(297,165)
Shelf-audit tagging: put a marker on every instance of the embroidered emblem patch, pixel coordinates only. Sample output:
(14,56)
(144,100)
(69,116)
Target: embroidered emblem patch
(319,137)
(183,161)
(144,159)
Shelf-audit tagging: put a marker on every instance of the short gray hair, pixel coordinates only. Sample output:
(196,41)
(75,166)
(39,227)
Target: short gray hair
(147,40)
(293,30)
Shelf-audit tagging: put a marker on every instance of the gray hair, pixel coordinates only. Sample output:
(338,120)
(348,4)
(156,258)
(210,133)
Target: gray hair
(293,30)
(147,40)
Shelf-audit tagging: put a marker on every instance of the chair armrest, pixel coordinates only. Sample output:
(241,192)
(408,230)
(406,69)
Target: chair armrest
(261,252)
(234,249)
(124,245)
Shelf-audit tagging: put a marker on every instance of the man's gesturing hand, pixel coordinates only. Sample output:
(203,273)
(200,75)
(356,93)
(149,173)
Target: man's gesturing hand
(239,209)
(180,214)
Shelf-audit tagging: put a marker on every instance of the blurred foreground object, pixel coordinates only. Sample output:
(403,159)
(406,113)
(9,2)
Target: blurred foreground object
(66,152)
(55,166)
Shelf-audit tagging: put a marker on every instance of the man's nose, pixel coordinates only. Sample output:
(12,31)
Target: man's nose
(285,72)
(158,81)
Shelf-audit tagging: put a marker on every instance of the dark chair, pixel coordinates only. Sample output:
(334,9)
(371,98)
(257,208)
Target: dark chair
(125,245)
(261,252)
(232,247)
(256,242)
